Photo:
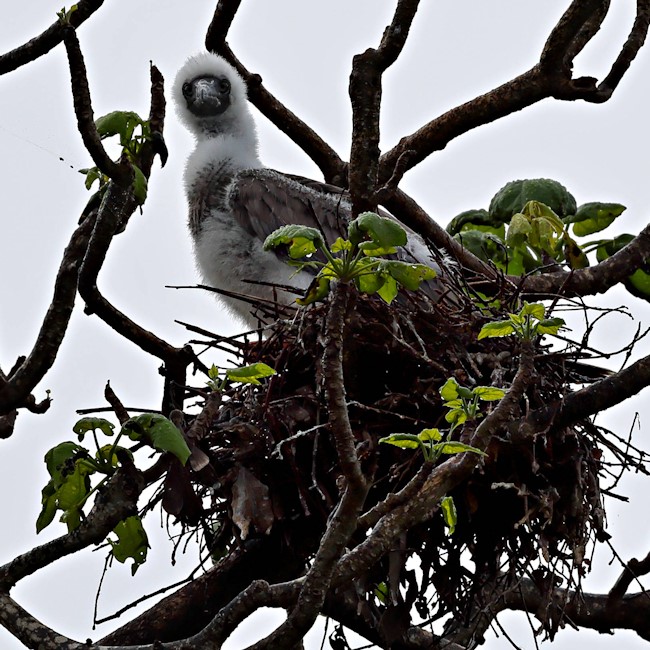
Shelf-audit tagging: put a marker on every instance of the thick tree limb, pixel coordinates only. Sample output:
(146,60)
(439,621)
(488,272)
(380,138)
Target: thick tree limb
(120,173)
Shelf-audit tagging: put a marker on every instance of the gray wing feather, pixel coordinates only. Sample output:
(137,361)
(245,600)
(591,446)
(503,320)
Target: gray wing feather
(263,200)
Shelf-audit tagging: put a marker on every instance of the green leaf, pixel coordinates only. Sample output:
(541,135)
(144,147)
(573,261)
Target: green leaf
(488,393)
(250,374)
(341,245)
(382,593)
(118,123)
(48,501)
(485,246)
(318,289)
(513,196)
(594,217)
(93,174)
(301,240)
(470,220)
(496,329)
(573,254)
(59,458)
(454,447)
(449,513)
(140,185)
(519,230)
(131,542)
(388,290)
(85,425)
(449,390)
(456,416)
(534,309)
(384,234)
(160,432)
(402,440)
(408,275)
(549,326)
(213,372)
(429,434)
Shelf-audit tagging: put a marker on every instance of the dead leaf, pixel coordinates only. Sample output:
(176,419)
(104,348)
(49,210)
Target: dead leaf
(251,505)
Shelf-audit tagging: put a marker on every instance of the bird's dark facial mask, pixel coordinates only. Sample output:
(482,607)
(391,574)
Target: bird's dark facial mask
(207,96)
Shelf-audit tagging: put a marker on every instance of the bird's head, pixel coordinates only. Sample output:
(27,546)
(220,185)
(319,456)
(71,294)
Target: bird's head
(210,98)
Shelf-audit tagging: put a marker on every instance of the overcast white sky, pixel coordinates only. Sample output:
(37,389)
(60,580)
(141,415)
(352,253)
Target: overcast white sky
(458,49)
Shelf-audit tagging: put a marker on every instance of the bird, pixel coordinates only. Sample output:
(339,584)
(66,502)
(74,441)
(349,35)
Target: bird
(235,202)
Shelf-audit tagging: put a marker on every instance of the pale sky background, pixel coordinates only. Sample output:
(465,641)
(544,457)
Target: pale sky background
(457,49)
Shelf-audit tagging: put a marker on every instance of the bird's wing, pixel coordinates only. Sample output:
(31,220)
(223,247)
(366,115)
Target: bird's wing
(263,200)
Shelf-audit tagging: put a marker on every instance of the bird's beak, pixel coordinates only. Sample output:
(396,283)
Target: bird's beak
(205,93)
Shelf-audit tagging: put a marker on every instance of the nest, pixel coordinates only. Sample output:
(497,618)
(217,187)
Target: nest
(532,507)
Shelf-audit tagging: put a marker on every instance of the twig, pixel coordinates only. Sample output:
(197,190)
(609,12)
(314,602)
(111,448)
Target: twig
(49,39)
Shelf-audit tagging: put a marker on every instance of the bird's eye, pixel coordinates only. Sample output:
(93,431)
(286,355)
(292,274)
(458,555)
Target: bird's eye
(187,89)
(224,86)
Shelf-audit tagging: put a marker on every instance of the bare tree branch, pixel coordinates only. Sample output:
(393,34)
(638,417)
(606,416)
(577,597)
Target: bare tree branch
(16,389)
(49,39)
(328,161)
(365,96)
(120,173)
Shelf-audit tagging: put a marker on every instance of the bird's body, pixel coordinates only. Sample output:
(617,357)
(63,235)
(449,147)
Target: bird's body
(235,202)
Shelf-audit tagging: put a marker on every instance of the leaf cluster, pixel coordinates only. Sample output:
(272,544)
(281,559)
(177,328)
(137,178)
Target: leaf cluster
(535,224)
(124,125)
(526,325)
(357,259)
(72,467)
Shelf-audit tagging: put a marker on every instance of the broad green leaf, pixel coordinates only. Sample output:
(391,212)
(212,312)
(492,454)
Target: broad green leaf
(140,185)
(213,372)
(573,254)
(594,217)
(317,290)
(107,454)
(608,247)
(638,284)
(408,275)
(402,440)
(384,234)
(131,542)
(341,245)
(496,329)
(549,326)
(456,416)
(470,220)
(48,501)
(388,290)
(160,432)
(250,374)
(465,393)
(539,210)
(454,447)
(512,198)
(449,513)
(301,240)
(534,309)
(519,231)
(382,593)
(59,457)
(449,390)
(93,174)
(369,282)
(485,246)
(488,393)
(430,434)
(118,122)
(84,425)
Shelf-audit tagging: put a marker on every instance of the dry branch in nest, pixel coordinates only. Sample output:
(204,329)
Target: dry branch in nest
(532,507)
